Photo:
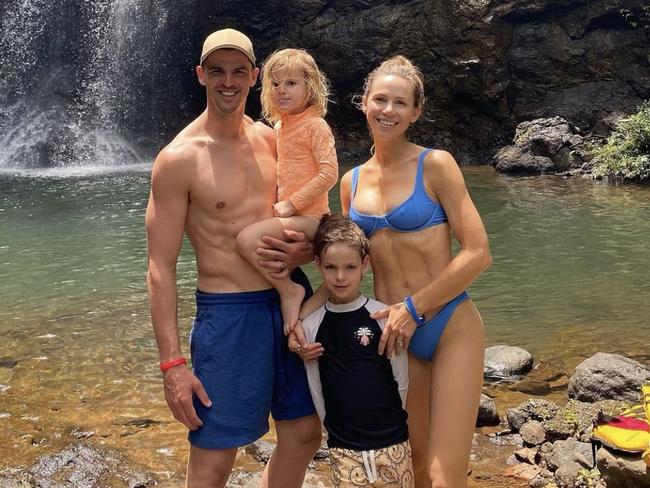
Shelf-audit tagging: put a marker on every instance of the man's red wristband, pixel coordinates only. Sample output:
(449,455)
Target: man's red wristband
(171,363)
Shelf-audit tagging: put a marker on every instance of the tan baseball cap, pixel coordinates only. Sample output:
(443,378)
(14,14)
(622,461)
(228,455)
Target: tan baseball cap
(228,39)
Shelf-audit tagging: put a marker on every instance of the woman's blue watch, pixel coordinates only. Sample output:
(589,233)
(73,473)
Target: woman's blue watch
(410,307)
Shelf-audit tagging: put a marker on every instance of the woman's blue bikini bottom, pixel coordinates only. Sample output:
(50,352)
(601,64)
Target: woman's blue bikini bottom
(425,340)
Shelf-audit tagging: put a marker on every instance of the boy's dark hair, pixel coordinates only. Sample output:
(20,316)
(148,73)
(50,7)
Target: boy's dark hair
(339,229)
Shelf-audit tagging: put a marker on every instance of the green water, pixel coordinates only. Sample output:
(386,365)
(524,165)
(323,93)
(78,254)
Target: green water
(569,279)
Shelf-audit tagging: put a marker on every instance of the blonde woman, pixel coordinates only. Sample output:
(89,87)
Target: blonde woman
(409,200)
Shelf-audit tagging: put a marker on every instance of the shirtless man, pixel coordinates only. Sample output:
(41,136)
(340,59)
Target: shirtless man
(215,178)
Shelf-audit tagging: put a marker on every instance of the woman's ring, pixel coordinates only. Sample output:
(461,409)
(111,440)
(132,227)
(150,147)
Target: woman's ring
(400,343)
(283,266)
(299,348)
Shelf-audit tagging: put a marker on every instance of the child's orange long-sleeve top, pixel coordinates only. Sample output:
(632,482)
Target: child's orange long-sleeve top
(307,164)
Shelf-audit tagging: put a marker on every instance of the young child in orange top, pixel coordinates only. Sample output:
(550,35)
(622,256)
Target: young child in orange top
(294,100)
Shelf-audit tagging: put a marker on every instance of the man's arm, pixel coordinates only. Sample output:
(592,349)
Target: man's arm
(165,223)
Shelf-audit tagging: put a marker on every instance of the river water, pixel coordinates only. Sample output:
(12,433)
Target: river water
(570,278)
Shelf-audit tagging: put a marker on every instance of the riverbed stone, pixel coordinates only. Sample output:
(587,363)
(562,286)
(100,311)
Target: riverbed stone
(532,387)
(608,376)
(8,363)
(523,471)
(323,451)
(571,451)
(566,475)
(505,439)
(622,470)
(533,433)
(487,412)
(503,362)
(260,451)
(86,466)
(244,479)
(527,454)
(535,409)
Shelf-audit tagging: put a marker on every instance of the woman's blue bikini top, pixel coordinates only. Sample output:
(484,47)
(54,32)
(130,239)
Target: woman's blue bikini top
(417,212)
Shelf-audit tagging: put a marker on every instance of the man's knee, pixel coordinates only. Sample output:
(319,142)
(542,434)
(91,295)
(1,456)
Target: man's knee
(209,468)
(304,433)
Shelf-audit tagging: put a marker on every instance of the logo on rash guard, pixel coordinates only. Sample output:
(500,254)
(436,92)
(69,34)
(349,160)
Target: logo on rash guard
(364,334)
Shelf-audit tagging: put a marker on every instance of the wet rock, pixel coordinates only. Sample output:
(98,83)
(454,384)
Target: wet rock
(608,376)
(142,423)
(487,412)
(540,146)
(12,478)
(566,475)
(506,362)
(323,452)
(515,159)
(550,371)
(535,409)
(85,466)
(571,451)
(533,433)
(505,439)
(532,387)
(527,454)
(526,472)
(260,450)
(246,479)
(8,363)
(622,470)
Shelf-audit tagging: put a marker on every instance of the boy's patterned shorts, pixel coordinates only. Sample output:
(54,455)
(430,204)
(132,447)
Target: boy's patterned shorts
(389,467)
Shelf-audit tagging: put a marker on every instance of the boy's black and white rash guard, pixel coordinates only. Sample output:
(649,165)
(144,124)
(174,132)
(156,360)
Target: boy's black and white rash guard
(359,395)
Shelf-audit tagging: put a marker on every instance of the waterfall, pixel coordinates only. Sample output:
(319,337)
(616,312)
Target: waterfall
(76,81)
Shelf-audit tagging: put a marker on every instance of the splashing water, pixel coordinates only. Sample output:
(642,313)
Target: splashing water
(70,79)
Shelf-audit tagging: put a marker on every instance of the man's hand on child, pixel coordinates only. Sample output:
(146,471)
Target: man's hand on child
(298,344)
(283,256)
(284,209)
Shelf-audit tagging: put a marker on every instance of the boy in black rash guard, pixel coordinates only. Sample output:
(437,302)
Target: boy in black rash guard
(358,393)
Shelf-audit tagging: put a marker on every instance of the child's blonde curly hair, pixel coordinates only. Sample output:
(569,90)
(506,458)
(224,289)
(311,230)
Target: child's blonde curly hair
(299,60)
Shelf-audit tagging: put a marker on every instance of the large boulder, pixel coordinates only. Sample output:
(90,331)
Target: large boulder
(506,362)
(541,146)
(608,376)
(622,470)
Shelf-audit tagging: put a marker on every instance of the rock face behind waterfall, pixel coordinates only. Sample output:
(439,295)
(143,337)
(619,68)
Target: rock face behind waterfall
(118,76)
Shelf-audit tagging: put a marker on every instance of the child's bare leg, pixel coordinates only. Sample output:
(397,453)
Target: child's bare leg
(250,238)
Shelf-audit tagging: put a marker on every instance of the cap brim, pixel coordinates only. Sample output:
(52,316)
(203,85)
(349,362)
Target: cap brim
(228,46)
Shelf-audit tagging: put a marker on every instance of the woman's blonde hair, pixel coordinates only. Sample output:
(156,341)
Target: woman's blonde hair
(294,60)
(399,66)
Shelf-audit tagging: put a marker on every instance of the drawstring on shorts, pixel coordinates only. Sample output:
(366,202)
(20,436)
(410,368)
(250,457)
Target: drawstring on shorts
(369,465)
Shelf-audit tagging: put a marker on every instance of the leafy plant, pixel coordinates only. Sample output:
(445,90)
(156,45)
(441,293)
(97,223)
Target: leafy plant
(588,478)
(626,155)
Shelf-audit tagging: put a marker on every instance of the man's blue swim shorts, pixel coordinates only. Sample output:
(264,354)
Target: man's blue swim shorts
(240,355)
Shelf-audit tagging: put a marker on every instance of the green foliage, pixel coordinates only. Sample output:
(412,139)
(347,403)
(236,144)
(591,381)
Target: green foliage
(638,17)
(626,155)
(588,478)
